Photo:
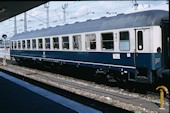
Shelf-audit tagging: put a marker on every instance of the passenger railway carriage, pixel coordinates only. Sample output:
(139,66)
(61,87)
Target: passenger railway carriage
(134,46)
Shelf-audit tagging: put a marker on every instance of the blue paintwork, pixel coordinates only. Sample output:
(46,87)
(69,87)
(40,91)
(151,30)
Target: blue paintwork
(143,60)
(148,60)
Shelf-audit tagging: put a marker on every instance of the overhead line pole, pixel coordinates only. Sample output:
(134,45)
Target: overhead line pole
(25,22)
(47,12)
(15,25)
(136,5)
(64,12)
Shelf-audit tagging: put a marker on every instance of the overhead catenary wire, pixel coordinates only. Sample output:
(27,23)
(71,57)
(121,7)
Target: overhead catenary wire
(74,13)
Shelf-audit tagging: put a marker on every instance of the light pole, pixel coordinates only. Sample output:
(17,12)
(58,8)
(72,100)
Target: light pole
(4,36)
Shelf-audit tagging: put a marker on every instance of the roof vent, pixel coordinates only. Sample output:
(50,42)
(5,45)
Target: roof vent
(103,17)
(120,14)
(77,22)
(89,20)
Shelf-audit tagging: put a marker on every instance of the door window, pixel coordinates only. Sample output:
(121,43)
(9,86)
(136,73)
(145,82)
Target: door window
(140,40)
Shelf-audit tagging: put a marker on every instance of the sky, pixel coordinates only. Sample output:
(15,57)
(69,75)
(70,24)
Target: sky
(75,11)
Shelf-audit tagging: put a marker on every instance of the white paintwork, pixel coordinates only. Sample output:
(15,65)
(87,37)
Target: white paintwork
(156,38)
(151,36)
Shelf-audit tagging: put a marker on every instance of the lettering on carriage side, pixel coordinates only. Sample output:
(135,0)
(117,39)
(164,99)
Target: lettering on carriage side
(116,56)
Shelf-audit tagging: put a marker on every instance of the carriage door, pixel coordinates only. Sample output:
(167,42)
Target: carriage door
(141,48)
(166,43)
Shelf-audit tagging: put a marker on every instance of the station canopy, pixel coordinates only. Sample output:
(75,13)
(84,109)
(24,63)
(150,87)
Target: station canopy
(10,9)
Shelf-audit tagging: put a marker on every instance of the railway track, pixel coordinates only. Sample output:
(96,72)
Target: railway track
(109,95)
(87,74)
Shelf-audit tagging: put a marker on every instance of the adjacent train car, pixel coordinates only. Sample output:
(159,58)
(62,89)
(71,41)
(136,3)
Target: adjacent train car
(7,44)
(134,47)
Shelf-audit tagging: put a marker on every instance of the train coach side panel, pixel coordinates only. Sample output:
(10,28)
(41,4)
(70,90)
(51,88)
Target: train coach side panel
(107,59)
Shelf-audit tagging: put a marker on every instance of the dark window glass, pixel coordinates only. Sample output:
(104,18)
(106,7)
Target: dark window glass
(65,42)
(40,43)
(124,36)
(34,44)
(77,42)
(28,44)
(47,43)
(23,44)
(140,40)
(19,44)
(107,41)
(12,46)
(15,44)
(55,43)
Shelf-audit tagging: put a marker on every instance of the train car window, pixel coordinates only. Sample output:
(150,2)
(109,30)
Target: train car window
(28,44)
(12,46)
(56,43)
(90,41)
(23,44)
(19,44)
(47,43)
(15,44)
(33,43)
(40,43)
(65,42)
(140,40)
(107,41)
(124,43)
(77,42)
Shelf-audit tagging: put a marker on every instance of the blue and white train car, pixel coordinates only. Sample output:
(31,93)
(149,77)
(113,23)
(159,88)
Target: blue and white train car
(136,45)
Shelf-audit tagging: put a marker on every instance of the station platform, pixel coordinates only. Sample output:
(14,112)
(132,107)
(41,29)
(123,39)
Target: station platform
(17,96)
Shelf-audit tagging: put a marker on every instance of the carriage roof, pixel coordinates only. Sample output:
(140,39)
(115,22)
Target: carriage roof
(138,19)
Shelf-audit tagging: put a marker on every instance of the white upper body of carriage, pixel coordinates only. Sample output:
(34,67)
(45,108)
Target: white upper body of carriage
(151,41)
